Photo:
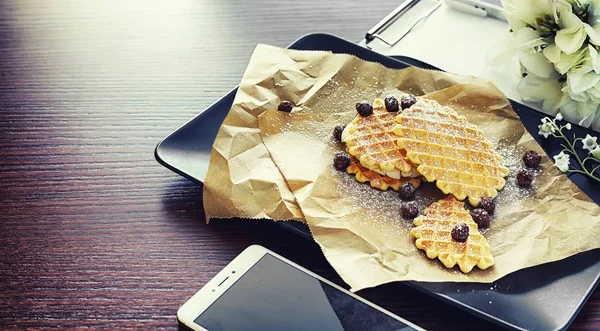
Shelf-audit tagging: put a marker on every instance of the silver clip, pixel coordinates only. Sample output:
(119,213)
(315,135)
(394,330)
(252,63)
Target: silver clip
(375,31)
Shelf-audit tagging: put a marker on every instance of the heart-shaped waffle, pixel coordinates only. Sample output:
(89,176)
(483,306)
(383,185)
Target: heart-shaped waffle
(433,232)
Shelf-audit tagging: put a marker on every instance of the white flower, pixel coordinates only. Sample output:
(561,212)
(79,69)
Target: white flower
(559,117)
(562,161)
(568,126)
(549,90)
(589,142)
(546,129)
(596,152)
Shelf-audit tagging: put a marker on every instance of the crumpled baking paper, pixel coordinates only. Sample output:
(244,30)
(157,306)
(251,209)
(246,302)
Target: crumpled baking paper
(279,165)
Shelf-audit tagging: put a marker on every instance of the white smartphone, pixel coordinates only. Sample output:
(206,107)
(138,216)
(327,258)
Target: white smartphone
(260,290)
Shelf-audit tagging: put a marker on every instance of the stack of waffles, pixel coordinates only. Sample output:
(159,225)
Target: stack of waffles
(430,142)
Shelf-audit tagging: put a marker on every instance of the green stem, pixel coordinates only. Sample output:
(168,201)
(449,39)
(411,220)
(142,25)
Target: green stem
(570,148)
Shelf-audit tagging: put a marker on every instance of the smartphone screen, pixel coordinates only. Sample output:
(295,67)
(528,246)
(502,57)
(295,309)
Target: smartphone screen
(273,295)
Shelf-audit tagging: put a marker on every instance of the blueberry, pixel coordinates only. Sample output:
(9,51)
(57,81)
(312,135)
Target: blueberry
(481,217)
(407,192)
(460,232)
(488,204)
(364,109)
(341,161)
(285,106)
(391,104)
(524,177)
(409,209)
(407,100)
(337,132)
(532,159)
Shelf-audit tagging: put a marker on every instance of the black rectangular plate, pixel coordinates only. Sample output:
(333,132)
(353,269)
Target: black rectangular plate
(545,297)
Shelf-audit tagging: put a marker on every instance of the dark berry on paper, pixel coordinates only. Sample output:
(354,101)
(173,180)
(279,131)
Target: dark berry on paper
(532,159)
(285,106)
(337,132)
(341,161)
(488,204)
(407,101)
(409,209)
(524,178)
(460,232)
(391,104)
(407,192)
(364,109)
(481,217)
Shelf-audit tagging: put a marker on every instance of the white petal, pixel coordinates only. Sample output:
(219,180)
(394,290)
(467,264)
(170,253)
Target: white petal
(537,64)
(564,167)
(596,122)
(527,11)
(593,33)
(594,59)
(548,90)
(523,39)
(580,83)
(552,53)
(569,110)
(594,95)
(571,37)
(553,103)
(501,52)
(587,110)
(569,22)
(515,23)
(568,61)
(596,152)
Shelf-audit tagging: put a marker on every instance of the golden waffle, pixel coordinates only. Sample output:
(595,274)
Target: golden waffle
(451,151)
(372,141)
(433,230)
(376,180)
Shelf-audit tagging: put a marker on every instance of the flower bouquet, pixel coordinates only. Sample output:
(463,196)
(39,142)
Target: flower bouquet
(557,44)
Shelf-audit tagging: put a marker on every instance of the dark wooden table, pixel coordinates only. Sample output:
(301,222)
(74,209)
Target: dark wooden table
(93,231)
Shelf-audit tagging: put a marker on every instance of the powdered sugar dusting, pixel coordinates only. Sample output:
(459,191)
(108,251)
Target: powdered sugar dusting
(512,193)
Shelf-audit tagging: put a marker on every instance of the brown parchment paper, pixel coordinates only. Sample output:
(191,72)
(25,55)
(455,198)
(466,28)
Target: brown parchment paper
(286,171)
(242,180)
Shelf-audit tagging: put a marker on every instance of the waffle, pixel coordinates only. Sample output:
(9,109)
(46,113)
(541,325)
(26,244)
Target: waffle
(433,236)
(450,151)
(376,180)
(372,141)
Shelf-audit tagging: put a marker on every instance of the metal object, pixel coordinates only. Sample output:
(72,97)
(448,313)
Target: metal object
(386,22)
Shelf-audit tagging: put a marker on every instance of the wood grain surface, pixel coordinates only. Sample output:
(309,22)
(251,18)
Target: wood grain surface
(94,233)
